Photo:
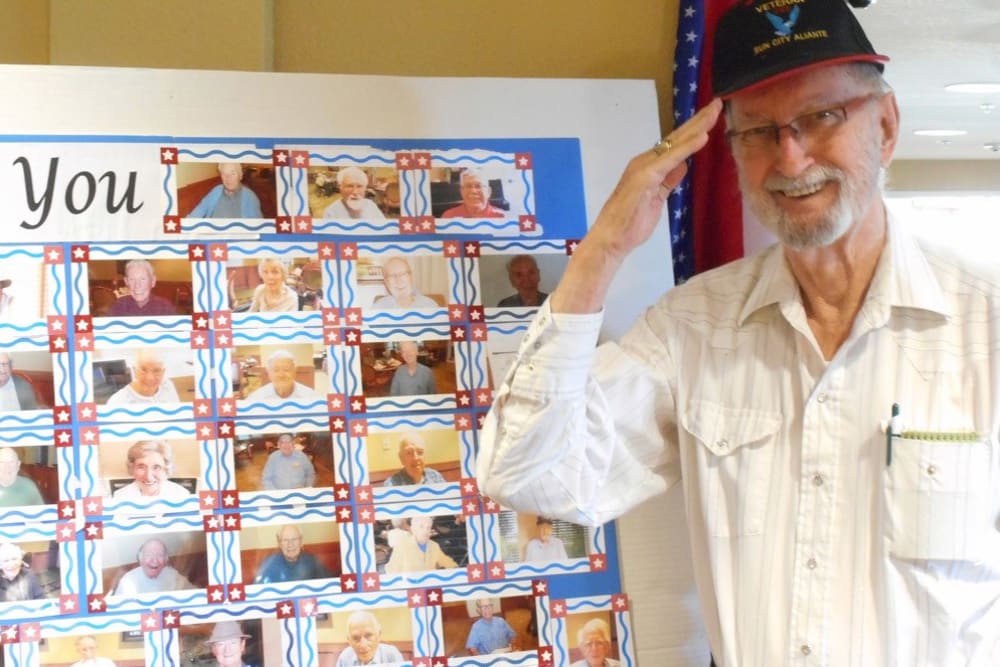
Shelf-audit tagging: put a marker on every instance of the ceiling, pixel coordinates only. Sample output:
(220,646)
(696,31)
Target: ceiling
(933,43)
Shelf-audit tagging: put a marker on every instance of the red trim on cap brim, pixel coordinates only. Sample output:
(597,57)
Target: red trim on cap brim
(876,58)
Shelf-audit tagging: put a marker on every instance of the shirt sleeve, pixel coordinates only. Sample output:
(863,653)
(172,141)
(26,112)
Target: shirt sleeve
(579,432)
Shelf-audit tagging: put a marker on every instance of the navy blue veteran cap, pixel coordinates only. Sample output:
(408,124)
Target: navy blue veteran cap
(760,41)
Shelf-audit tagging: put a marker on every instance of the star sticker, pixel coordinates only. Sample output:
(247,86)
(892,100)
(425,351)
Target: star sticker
(207,500)
(11,633)
(363,493)
(235,592)
(415,598)
(557,607)
(86,412)
(300,158)
(286,609)
(202,409)
(469,487)
(150,621)
(96,603)
(451,249)
(463,422)
(456,314)
(404,162)
(167,155)
(201,322)
(93,530)
(343,493)
(83,343)
(407,226)
(170,619)
(336,402)
(326,249)
(547,656)
(59,343)
(285,226)
(348,584)
(62,416)
(491,505)
(541,587)
(347,251)
(57,325)
(171,225)
(522,161)
(370,582)
(345,513)
(365,515)
(81,325)
(464,400)
(495,571)
(458,332)
(475,573)
(229,499)
(352,336)
(216,595)
(231,521)
(433,596)
(338,424)
(54,255)
(470,249)
(92,507)
(281,157)
(359,428)
(68,602)
(421,160)
(197,251)
(223,339)
(474,315)
(222,320)
(478,333)
(199,340)
(218,252)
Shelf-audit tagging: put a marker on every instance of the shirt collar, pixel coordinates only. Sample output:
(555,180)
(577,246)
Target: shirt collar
(903,278)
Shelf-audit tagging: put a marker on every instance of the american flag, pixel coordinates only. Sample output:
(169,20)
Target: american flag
(706,227)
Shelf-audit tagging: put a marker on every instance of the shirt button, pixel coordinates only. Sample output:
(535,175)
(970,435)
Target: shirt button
(931,470)
(538,344)
(822,398)
(806,650)
(811,563)
(818,480)
(723,444)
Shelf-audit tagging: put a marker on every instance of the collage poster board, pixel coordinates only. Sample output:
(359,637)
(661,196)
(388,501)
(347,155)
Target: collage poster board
(249,421)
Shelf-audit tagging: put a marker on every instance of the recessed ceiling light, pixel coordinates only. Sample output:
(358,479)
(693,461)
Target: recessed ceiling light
(939,133)
(978,87)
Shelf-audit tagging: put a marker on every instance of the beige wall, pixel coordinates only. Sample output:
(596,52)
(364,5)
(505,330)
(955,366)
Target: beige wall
(513,38)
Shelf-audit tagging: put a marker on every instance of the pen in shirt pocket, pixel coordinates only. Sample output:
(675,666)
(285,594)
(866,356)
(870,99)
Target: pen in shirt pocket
(892,429)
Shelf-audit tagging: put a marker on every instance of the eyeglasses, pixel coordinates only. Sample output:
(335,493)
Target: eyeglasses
(813,127)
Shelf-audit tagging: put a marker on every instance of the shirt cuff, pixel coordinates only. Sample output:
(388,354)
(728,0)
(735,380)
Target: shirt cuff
(562,344)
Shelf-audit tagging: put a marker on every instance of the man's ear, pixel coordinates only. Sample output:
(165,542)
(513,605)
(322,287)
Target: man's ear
(889,125)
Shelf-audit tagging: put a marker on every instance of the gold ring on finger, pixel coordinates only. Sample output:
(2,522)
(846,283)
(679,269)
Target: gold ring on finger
(663,146)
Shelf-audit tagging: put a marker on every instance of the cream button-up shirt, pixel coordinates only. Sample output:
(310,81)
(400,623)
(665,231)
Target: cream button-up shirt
(809,546)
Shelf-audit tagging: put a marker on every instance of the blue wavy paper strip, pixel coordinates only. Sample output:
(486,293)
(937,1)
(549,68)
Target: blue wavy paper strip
(332,159)
(417,491)
(202,297)
(442,330)
(308,642)
(238,251)
(146,411)
(625,644)
(456,280)
(525,316)
(133,430)
(440,157)
(301,587)
(422,188)
(470,225)
(263,226)
(181,338)
(290,634)
(218,152)
(416,403)
(477,364)
(470,282)
(489,529)
(217,541)
(516,329)
(433,614)
(365,535)
(522,245)
(527,192)
(286,188)
(300,177)
(583,604)
(386,248)
(122,250)
(352,227)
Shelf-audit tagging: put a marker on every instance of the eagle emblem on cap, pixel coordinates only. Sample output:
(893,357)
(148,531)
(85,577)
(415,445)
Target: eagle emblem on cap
(782,27)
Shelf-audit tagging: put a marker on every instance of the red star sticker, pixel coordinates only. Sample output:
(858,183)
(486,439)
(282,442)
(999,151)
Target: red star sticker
(68,604)
(197,252)
(303,224)
(57,323)
(407,224)
(478,332)
(150,621)
(93,531)
(539,587)
(327,250)
(171,618)
(484,398)
(230,499)
(348,251)
(598,563)
(300,159)
(168,155)
(283,224)
(363,492)
(366,514)
(426,224)
(211,523)
(81,323)
(352,337)
(456,312)
(557,608)
(61,438)
(452,249)
(348,582)
(571,246)
(404,161)
(65,532)
(470,487)
(95,603)
(208,500)
(370,582)
(62,414)
(236,592)
(477,314)
(422,160)
(545,656)
(93,506)
(223,339)
(227,407)
(205,431)
(222,319)
(84,343)
(619,602)
(526,223)
(463,422)
(53,255)
(522,160)
(86,412)
(335,402)
(434,596)
(359,405)
(279,157)
(415,599)
(79,254)
(307,607)
(66,509)
(475,572)
(471,248)
(359,428)
(457,333)
(344,515)
(57,344)
(215,594)
(171,224)
(341,493)
(285,609)
(338,425)
(496,569)
(200,340)
(219,252)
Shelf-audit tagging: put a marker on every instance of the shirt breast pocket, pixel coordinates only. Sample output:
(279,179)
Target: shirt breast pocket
(937,499)
(736,456)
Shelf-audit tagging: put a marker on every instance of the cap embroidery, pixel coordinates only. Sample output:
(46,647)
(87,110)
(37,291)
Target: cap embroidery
(782,27)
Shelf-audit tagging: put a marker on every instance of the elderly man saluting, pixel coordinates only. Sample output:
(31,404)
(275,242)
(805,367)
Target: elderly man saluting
(767,385)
